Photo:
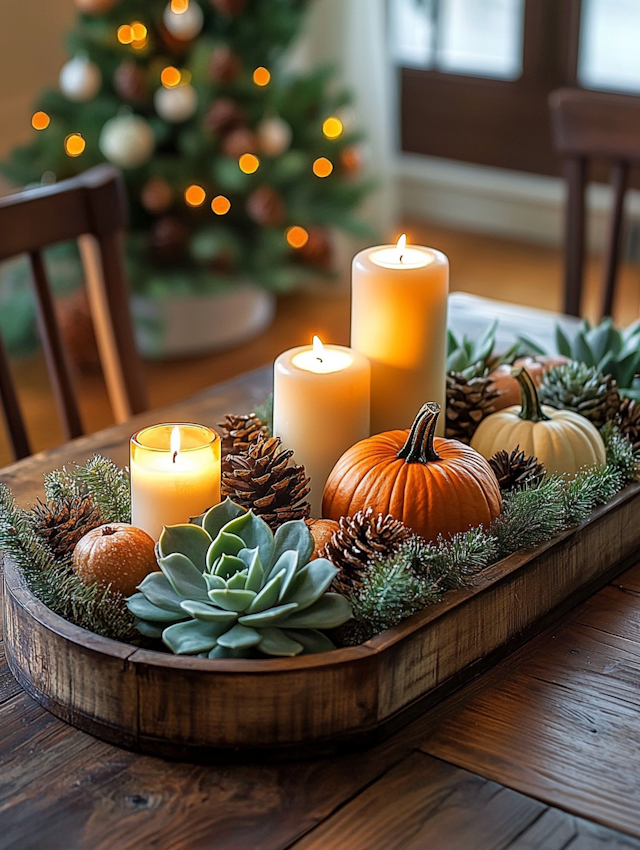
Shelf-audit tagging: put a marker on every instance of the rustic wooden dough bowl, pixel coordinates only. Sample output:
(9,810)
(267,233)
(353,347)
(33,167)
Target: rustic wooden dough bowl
(199,709)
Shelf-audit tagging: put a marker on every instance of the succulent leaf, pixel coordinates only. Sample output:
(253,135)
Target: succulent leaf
(276,642)
(248,593)
(311,582)
(255,532)
(141,607)
(224,544)
(232,600)
(215,519)
(157,589)
(329,612)
(185,578)
(209,613)
(269,594)
(192,637)
(187,539)
(239,637)
(294,535)
(270,616)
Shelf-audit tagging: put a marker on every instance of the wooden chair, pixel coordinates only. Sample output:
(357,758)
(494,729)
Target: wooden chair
(587,126)
(92,209)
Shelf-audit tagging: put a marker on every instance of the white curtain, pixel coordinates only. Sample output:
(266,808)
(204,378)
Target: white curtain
(352,36)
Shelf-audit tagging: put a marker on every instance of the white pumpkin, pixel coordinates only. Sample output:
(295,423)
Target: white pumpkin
(563,441)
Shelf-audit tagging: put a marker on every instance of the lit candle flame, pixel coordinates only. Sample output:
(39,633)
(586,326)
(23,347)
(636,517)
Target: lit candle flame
(318,348)
(401,245)
(175,443)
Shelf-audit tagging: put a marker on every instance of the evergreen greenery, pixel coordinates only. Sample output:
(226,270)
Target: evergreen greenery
(101,478)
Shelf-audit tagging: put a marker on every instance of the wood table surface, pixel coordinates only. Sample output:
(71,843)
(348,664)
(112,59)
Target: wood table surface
(542,751)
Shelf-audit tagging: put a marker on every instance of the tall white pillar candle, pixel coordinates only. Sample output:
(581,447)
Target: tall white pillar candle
(320,407)
(175,474)
(399,321)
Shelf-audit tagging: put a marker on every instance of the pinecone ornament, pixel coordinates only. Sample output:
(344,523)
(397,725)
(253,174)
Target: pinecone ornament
(168,240)
(224,115)
(361,539)
(628,421)
(239,433)
(582,389)
(264,480)
(240,141)
(156,196)
(230,8)
(317,250)
(225,65)
(130,82)
(63,522)
(266,206)
(516,470)
(469,400)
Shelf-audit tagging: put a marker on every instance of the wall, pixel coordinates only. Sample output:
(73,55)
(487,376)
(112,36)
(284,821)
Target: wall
(32,51)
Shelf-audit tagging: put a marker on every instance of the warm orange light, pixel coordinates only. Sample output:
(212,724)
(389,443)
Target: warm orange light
(220,205)
(322,167)
(170,77)
(125,35)
(261,76)
(332,127)
(140,45)
(178,7)
(401,246)
(195,195)
(40,121)
(74,144)
(248,163)
(297,236)
(138,31)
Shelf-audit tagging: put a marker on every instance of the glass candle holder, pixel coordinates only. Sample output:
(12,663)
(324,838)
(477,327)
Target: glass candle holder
(175,474)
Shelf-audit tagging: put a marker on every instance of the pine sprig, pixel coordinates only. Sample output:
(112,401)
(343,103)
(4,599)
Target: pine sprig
(529,517)
(97,609)
(102,479)
(620,453)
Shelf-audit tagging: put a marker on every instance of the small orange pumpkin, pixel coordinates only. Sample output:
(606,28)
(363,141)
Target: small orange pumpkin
(507,385)
(322,531)
(116,554)
(434,486)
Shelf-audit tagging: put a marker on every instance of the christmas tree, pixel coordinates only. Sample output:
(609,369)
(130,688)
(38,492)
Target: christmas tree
(235,168)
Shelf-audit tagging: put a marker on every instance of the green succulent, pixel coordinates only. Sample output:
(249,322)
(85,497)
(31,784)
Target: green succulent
(473,358)
(230,588)
(609,350)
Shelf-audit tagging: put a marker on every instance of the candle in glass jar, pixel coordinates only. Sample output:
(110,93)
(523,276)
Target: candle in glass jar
(320,407)
(399,321)
(175,474)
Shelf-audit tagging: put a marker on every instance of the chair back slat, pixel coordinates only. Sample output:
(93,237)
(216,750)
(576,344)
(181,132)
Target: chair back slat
(11,412)
(593,125)
(92,209)
(55,356)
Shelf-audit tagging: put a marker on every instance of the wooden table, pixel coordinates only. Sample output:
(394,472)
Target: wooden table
(543,751)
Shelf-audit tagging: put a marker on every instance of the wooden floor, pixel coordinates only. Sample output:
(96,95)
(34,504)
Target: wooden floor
(497,268)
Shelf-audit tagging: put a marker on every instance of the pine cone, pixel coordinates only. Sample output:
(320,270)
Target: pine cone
(360,539)
(239,433)
(262,479)
(224,115)
(130,82)
(63,522)
(317,250)
(469,400)
(225,65)
(582,389)
(628,421)
(266,206)
(516,470)
(238,142)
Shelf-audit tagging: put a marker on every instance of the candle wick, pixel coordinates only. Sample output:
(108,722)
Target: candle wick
(175,455)
(319,359)
(401,256)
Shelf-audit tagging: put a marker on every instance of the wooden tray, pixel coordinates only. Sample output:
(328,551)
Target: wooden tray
(199,709)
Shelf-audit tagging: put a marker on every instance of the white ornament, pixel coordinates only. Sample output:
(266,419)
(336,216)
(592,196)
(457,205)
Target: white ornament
(80,79)
(177,104)
(184,25)
(127,141)
(274,136)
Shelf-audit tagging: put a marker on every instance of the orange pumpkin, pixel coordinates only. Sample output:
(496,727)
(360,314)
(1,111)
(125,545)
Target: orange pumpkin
(322,531)
(116,554)
(434,486)
(507,385)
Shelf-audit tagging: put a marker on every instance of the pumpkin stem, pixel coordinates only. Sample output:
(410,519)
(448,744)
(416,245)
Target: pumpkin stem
(531,410)
(108,530)
(419,445)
